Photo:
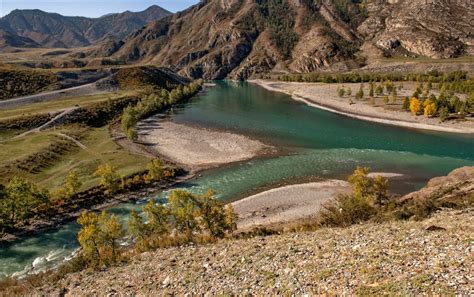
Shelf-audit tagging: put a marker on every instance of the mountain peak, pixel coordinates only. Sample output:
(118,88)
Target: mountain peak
(52,29)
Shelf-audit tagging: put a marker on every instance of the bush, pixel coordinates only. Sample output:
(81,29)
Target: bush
(108,177)
(98,238)
(185,218)
(367,197)
(20,200)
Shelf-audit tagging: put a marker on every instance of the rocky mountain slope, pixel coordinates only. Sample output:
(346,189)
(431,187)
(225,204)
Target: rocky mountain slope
(427,257)
(216,39)
(54,30)
(410,258)
(10,40)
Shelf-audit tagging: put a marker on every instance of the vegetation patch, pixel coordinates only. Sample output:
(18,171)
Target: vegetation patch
(17,83)
(278,16)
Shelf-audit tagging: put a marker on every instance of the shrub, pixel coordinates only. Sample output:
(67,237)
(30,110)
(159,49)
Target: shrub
(341,92)
(99,237)
(186,217)
(368,195)
(108,177)
(360,92)
(443,114)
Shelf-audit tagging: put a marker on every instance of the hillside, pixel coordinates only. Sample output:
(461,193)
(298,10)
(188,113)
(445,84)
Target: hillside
(369,259)
(421,252)
(243,38)
(10,40)
(55,30)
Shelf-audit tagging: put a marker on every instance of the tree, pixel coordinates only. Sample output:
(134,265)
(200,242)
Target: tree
(349,92)
(111,230)
(371,90)
(108,177)
(443,113)
(406,104)
(394,95)
(214,217)
(89,237)
(379,90)
(415,106)
(155,170)
(231,218)
(360,182)
(429,108)
(360,93)
(183,208)
(72,184)
(341,92)
(385,99)
(380,188)
(98,237)
(138,229)
(21,200)
(158,218)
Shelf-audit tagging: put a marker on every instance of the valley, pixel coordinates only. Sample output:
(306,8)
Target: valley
(238,147)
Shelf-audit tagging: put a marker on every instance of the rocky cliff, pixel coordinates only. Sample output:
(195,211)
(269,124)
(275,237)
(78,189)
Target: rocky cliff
(217,39)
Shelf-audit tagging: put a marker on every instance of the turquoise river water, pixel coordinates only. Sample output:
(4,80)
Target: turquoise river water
(316,144)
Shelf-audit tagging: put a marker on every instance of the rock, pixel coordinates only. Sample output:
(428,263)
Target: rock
(435,228)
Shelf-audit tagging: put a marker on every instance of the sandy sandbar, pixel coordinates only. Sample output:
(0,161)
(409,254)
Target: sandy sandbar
(324,96)
(287,204)
(196,147)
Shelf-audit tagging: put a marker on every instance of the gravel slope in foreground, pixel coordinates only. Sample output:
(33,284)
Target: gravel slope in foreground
(402,258)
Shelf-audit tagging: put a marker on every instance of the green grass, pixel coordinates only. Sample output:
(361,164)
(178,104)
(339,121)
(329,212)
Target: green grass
(21,147)
(56,105)
(100,149)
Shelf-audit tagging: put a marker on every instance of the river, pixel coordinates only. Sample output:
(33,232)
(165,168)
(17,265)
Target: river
(317,144)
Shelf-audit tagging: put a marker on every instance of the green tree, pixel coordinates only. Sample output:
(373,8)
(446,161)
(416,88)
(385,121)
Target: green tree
(380,189)
(443,113)
(108,177)
(360,92)
(360,182)
(138,230)
(98,237)
(72,184)
(394,95)
(21,200)
(213,215)
(379,90)
(156,170)
(158,218)
(184,210)
(385,99)
(341,92)
(111,231)
(371,90)
(406,104)
(89,237)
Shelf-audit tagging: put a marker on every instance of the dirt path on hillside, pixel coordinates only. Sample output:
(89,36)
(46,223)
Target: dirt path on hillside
(84,90)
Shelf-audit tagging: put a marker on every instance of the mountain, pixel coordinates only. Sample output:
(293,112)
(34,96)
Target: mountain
(55,30)
(242,38)
(8,39)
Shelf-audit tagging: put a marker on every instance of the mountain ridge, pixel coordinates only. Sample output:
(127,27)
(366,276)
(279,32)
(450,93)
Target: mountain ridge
(243,38)
(55,30)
